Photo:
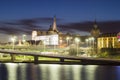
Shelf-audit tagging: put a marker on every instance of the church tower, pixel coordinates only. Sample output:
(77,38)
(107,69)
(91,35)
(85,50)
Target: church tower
(95,32)
(53,27)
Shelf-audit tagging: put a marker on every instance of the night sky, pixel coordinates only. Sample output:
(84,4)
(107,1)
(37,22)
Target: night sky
(19,17)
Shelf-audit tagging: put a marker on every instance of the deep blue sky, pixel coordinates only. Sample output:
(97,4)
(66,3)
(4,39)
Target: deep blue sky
(22,16)
(69,10)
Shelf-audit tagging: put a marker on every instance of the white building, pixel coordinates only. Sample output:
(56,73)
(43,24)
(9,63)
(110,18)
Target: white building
(50,37)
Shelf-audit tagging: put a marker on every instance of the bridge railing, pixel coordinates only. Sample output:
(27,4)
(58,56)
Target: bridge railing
(83,60)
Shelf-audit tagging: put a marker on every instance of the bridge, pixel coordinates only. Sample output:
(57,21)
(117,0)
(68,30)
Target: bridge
(62,58)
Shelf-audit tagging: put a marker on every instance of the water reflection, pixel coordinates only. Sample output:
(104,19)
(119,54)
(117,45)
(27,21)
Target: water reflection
(107,73)
(3,72)
(54,69)
(20,71)
(44,72)
(11,70)
(117,72)
(76,69)
(66,72)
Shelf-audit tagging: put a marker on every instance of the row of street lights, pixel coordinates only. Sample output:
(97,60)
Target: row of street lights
(76,40)
(90,43)
(14,39)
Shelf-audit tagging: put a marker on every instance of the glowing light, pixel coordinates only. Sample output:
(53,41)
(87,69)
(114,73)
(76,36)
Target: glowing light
(23,38)
(76,71)
(49,39)
(54,69)
(77,40)
(13,39)
(86,40)
(12,73)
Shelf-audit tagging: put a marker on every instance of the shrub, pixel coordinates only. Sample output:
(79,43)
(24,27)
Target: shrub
(72,51)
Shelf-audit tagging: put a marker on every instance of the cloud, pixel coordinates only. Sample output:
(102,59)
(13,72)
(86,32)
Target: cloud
(25,25)
(105,27)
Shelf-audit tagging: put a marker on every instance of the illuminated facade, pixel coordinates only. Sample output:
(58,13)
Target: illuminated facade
(50,37)
(53,36)
(108,40)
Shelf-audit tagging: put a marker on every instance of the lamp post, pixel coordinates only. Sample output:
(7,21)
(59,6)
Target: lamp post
(24,40)
(44,45)
(91,40)
(67,40)
(87,40)
(23,37)
(13,39)
(87,46)
(77,40)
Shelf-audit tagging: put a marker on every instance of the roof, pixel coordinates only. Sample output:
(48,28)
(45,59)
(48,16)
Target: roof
(108,34)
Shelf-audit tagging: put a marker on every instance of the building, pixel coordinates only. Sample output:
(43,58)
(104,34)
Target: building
(49,37)
(53,36)
(95,32)
(108,40)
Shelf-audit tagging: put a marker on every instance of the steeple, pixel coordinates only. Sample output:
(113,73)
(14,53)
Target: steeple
(95,24)
(95,30)
(54,25)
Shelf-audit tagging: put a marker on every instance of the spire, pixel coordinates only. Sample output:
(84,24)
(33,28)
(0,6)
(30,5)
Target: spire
(54,26)
(95,30)
(95,24)
(54,23)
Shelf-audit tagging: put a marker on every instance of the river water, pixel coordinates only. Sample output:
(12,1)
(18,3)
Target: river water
(29,71)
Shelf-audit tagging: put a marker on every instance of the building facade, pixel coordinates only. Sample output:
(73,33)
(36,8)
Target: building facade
(53,36)
(108,40)
(49,37)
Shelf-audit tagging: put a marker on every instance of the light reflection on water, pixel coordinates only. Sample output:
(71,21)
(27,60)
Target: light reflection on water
(11,68)
(21,71)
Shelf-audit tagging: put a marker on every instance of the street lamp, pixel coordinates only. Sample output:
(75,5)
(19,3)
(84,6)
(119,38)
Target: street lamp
(23,37)
(87,40)
(13,39)
(91,40)
(24,40)
(77,40)
(44,44)
(67,40)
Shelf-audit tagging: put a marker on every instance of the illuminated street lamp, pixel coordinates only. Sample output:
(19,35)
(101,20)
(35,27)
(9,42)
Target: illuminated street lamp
(91,40)
(44,45)
(77,40)
(13,39)
(24,38)
(67,40)
(87,40)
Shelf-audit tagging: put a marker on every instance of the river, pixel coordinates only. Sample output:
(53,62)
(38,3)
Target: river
(30,71)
